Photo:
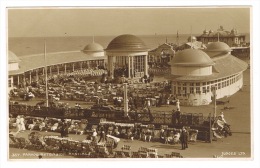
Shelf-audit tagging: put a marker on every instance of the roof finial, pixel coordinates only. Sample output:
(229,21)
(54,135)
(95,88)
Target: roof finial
(191,45)
(177,39)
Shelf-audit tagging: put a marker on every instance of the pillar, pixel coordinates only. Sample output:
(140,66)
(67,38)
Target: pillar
(65,68)
(80,65)
(125,100)
(50,71)
(73,66)
(30,77)
(18,81)
(58,69)
(37,75)
(132,64)
(129,67)
(145,66)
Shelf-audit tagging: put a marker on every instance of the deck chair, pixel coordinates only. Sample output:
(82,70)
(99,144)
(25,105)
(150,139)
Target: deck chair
(22,142)
(119,154)
(13,141)
(152,153)
(168,156)
(176,154)
(135,155)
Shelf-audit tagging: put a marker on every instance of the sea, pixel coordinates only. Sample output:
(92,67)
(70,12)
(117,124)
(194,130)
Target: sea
(24,46)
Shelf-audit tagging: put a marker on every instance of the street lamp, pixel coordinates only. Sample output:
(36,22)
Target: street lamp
(213,89)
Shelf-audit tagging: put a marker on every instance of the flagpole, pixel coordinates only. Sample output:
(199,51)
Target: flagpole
(46,79)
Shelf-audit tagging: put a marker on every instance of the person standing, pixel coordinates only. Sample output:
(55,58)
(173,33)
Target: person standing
(18,124)
(178,105)
(22,123)
(184,139)
(102,134)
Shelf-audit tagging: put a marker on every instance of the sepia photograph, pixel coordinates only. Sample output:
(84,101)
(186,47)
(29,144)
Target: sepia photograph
(131,83)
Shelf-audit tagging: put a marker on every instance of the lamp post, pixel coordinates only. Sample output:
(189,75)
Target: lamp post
(125,100)
(215,100)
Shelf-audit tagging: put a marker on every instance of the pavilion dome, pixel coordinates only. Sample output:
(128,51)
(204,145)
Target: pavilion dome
(218,47)
(191,57)
(126,42)
(93,47)
(193,38)
(12,58)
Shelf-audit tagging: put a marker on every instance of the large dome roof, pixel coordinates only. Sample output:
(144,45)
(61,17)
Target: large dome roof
(93,47)
(12,57)
(218,46)
(126,42)
(191,57)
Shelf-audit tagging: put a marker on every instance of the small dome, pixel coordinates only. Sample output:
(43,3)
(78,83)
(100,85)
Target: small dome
(205,32)
(191,57)
(193,38)
(12,58)
(218,46)
(93,47)
(126,42)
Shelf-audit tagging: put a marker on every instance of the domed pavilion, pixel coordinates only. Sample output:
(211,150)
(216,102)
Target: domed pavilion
(196,73)
(127,56)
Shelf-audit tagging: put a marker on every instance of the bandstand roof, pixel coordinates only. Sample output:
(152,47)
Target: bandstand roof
(126,42)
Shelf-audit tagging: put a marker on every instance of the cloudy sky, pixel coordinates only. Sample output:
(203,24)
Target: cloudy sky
(115,21)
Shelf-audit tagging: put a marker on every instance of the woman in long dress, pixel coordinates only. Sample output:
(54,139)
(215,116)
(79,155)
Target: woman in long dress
(22,123)
(18,124)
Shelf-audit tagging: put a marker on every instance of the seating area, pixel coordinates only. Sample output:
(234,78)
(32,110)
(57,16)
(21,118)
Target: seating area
(83,149)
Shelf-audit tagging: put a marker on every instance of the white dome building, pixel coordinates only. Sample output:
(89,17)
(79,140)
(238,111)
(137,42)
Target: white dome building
(194,74)
(94,50)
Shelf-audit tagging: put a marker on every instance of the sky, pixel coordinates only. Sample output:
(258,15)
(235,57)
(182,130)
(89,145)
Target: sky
(115,21)
(33,22)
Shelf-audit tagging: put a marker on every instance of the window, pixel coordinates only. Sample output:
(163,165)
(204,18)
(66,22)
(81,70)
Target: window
(9,83)
(228,83)
(204,89)
(197,89)
(208,89)
(197,84)
(191,89)
(219,85)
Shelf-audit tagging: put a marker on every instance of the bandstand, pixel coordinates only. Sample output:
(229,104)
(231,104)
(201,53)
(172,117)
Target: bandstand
(127,56)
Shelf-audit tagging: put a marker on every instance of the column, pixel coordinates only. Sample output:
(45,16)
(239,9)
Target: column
(37,75)
(129,74)
(88,64)
(145,66)
(30,77)
(125,100)
(132,64)
(112,66)
(73,67)
(80,65)
(50,71)
(58,69)
(65,68)
(18,81)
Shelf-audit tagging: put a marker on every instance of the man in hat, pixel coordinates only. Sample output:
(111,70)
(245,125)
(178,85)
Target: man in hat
(184,139)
